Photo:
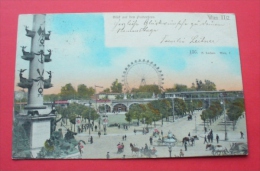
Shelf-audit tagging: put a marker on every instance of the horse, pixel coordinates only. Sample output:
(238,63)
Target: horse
(218,150)
(210,146)
(135,149)
(190,139)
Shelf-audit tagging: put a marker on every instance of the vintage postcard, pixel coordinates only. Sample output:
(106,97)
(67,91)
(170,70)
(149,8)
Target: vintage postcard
(128,85)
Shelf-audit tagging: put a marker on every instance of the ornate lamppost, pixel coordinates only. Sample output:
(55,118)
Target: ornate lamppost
(195,125)
(173,107)
(89,114)
(170,150)
(105,126)
(224,108)
(96,94)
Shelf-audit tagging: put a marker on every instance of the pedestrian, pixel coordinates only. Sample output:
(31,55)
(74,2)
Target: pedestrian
(208,137)
(91,140)
(125,137)
(185,145)
(80,148)
(95,127)
(242,135)
(205,129)
(99,133)
(188,134)
(211,132)
(135,131)
(151,140)
(146,147)
(217,138)
(205,139)
(181,153)
(108,156)
(161,132)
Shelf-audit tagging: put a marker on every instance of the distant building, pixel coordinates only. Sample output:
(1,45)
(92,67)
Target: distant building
(110,96)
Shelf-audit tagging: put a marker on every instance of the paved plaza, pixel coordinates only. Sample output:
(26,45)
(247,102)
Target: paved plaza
(180,128)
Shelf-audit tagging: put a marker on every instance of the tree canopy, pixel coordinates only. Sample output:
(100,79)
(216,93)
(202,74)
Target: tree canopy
(116,87)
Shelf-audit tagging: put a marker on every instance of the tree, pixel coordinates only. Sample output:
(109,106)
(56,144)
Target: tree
(90,114)
(206,86)
(107,90)
(82,90)
(85,92)
(179,107)
(235,110)
(72,118)
(63,112)
(51,97)
(148,116)
(136,111)
(90,92)
(67,92)
(204,116)
(128,117)
(177,88)
(116,87)
(147,89)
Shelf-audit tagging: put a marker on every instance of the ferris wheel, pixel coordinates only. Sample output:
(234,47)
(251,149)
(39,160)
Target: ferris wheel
(140,73)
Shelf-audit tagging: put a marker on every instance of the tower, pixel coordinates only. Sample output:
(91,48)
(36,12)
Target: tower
(37,117)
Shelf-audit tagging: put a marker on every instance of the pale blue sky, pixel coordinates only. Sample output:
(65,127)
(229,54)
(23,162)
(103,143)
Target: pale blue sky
(80,56)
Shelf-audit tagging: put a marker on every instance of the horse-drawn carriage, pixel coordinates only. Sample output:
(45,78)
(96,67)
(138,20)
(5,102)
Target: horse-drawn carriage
(238,148)
(143,151)
(148,152)
(156,133)
(120,148)
(170,139)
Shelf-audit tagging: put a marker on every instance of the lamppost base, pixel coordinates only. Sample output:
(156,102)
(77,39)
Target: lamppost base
(226,137)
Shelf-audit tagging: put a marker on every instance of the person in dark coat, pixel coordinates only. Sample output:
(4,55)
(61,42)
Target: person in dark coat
(242,135)
(125,137)
(185,145)
(91,140)
(217,138)
(208,137)
(151,141)
(205,139)
(99,133)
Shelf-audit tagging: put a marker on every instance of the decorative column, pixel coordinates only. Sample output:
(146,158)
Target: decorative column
(38,119)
